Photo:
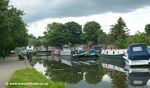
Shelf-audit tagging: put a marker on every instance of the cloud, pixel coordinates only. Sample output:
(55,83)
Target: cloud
(135,21)
(40,9)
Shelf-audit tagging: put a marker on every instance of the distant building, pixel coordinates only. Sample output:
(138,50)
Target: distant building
(30,48)
(108,46)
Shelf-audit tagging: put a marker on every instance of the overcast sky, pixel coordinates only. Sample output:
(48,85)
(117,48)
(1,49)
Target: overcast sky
(38,13)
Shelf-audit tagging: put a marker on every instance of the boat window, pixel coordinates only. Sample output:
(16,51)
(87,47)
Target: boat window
(148,48)
(137,82)
(137,48)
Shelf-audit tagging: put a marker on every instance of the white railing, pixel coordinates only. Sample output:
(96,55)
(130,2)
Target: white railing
(114,51)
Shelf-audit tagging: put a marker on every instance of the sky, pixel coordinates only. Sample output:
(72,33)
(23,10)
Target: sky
(39,13)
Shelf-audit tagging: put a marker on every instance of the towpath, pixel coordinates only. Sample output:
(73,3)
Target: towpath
(8,67)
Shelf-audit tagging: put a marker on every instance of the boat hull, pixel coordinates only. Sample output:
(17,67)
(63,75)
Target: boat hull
(85,58)
(120,56)
(136,62)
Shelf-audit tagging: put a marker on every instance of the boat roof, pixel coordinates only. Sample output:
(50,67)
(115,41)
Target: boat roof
(138,51)
(136,44)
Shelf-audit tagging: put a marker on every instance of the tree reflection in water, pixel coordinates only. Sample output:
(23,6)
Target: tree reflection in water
(61,72)
(114,68)
(118,79)
(58,71)
(93,74)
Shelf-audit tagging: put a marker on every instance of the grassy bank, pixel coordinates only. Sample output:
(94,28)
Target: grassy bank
(30,78)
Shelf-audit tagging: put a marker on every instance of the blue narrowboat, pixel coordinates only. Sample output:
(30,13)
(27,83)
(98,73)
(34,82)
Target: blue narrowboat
(137,54)
(85,53)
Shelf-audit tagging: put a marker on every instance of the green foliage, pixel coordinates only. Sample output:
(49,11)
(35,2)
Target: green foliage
(71,34)
(70,74)
(102,36)
(107,39)
(94,74)
(32,39)
(121,43)
(119,30)
(139,38)
(119,33)
(73,74)
(91,31)
(32,76)
(18,29)
(59,34)
(36,41)
(147,29)
(12,28)
(74,31)
(56,35)
(83,38)
(5,30)
(118,80)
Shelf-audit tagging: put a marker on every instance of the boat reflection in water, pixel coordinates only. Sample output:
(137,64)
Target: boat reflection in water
(138,76)
(94,73)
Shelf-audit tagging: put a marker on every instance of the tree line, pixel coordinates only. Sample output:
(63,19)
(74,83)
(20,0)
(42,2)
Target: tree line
(72,33)
(13,32)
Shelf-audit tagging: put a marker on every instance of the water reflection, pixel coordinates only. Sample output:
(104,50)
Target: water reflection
(114,67)
(138,76)
(93,73)
(58,71)
(73,71)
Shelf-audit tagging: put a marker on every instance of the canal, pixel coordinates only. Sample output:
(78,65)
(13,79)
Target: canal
(93,72)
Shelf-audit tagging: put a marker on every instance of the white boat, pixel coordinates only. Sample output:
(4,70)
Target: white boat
(113,53)
(65,52)
(137,54)
(56,52)
(138,77)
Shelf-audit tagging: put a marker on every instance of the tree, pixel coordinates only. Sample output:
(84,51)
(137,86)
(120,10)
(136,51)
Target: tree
(39,41)
(74,31)
(108,39)
(147,29)
(91,31)
(32,39)
(5,38)
(56,35)
(36,41)
(45,40)
(18,28)
(139,38)
(119,33)
(102,37)
(12,28)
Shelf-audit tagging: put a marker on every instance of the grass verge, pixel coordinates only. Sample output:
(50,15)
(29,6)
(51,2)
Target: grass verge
(30,78)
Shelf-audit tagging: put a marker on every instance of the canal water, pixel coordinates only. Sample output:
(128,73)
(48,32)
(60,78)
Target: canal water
(93,72)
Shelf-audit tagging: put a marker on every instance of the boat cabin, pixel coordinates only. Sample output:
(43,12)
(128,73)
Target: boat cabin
(138,52)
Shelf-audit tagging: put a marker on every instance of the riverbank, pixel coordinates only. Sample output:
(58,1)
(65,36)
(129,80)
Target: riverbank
(9,66)
(30,78)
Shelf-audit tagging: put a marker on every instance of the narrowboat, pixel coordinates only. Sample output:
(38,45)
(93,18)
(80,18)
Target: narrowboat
(113,53)
(85,53)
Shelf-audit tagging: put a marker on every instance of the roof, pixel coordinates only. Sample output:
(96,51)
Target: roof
(138,51)
(137,44)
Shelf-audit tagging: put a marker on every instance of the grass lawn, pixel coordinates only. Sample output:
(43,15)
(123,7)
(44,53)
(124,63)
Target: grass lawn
(30,78)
